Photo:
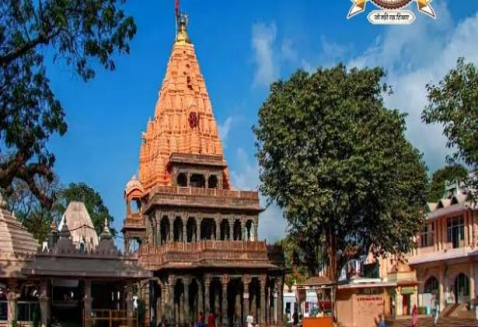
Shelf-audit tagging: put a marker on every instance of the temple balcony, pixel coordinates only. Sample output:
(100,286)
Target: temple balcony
(203,198)
(134,221)
(232,254)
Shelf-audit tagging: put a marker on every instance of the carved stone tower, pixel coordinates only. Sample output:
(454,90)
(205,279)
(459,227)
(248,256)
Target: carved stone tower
(197,235)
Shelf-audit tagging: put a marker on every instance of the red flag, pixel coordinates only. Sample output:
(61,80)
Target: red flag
(177,8)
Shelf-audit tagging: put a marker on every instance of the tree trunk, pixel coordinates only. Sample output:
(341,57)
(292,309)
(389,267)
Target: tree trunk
(332,272)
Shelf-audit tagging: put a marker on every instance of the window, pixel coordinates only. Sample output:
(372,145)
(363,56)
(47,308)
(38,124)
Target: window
(3,310)
(287,307)
(427,235)
(198,180)
(371,270)
(28,311)
(462,286)
(455,231)
(431,286)
(182,180)
(212,181)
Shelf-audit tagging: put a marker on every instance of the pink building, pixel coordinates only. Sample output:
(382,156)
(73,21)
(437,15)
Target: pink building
(446,257)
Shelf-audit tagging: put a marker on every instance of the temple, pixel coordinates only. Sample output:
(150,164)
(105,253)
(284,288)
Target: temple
(188,226)
(75,279)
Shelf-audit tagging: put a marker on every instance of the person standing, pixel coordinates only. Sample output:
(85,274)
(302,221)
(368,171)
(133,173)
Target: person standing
(436,313)
(415,316)
(250,320)
(211,320)
(200,322)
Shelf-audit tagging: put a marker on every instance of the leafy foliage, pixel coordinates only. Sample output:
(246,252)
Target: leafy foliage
(28,210)
(454,104)
(297,269)
(38,219)
(338,163)
(93,203)
(80,34)
(448,173)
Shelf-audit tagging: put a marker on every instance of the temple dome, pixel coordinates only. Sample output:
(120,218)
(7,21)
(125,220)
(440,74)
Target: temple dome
(78,222)
(133,185)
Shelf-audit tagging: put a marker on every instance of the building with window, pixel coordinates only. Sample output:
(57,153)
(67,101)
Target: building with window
(446,257)
(189,227)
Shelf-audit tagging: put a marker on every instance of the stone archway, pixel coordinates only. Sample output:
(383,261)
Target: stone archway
(461,288)
(432,286)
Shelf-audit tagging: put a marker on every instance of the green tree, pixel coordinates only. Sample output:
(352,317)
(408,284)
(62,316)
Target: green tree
(93,203)
(454,104)
(338,163)
(81,34)
(28,210)
(439,177)
(293,255)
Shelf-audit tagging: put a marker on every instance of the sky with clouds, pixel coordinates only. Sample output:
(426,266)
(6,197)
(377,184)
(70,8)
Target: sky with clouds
(242,47)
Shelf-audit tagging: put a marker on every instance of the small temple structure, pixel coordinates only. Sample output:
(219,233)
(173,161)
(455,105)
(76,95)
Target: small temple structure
(75,280)
(193,231)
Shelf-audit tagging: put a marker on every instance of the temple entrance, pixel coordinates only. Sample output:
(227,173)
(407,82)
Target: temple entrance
(66,305)
(462,289)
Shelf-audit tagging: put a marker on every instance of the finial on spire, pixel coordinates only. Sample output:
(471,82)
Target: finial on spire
(182,35)
(105,234)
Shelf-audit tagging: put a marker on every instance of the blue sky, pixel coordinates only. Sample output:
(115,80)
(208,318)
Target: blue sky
(243,46)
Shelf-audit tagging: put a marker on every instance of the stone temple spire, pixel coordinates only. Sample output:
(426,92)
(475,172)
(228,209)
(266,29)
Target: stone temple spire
(184,122)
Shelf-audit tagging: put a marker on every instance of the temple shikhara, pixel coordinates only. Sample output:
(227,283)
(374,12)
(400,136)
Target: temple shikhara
(193,231)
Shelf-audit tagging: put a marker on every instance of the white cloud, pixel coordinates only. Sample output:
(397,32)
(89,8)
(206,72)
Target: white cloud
(272,226)
(414,56)
(263,38)
(224,130)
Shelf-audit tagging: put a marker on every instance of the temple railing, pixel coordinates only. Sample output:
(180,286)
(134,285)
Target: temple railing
(194,254)
(206,192)
(203,197)
(134,220)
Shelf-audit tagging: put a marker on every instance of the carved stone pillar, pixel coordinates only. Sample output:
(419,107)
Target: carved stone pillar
(185,230)
(256,231)
(170,307)
(12,297)
(262,299)
(225,282)
(44,304)
(159,302)
(171,229)
(217,223)
(187,309)
(231,229)
(207,298)
(198,229)
(246,281)
(244,230)
(129,304)
(87,300)
(200,298)
(280,300)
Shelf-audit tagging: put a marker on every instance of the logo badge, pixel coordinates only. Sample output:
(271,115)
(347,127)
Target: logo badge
(392,12)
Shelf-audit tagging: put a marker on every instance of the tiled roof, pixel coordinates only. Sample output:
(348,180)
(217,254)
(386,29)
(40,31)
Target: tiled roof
(17,245)
(14,238)
(316,281)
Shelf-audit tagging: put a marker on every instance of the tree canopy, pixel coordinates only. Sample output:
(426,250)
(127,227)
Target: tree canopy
(37,219)
(454,104)
(80,34)
(439,177)
(338,163)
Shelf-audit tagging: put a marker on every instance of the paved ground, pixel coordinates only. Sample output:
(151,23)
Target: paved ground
(428,322)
